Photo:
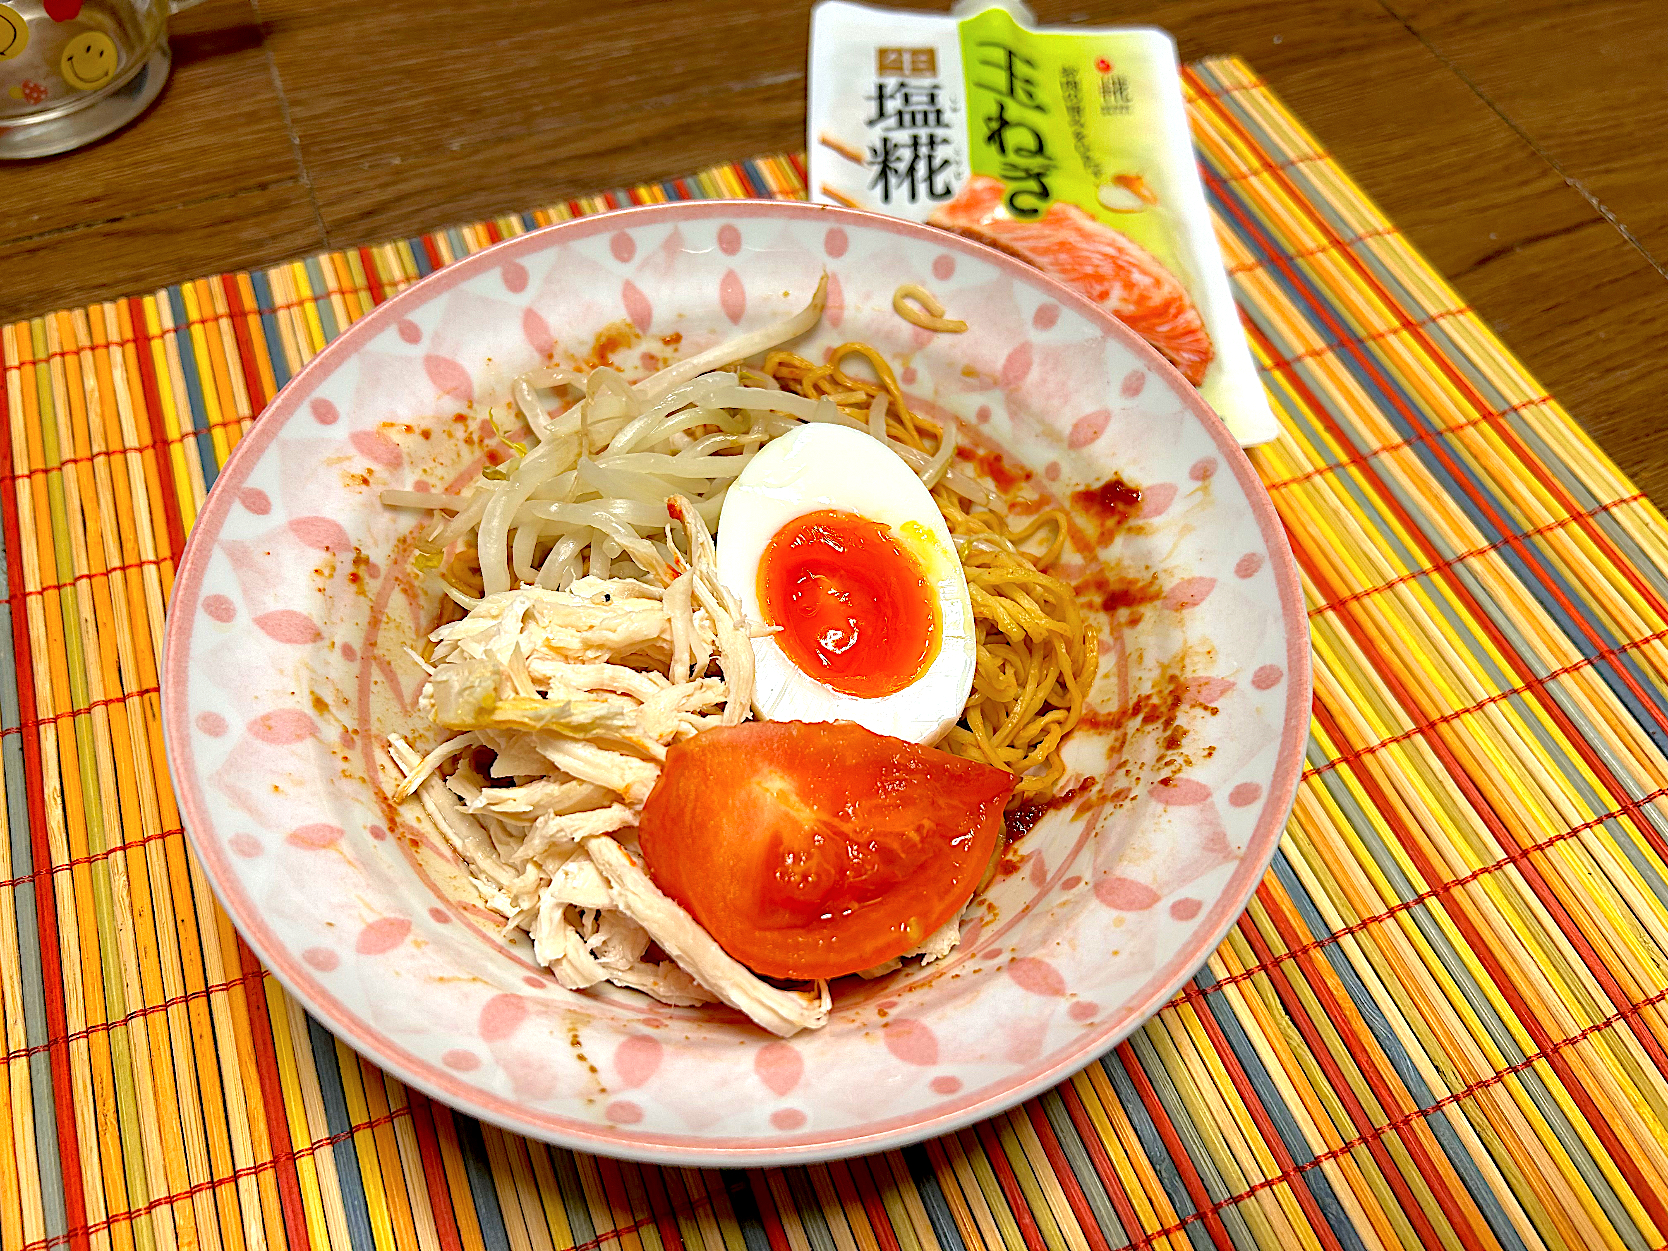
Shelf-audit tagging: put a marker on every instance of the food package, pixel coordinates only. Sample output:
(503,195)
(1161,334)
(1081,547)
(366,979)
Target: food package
(1067,148)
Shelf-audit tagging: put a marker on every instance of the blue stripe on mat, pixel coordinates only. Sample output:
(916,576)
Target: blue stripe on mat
(198,414)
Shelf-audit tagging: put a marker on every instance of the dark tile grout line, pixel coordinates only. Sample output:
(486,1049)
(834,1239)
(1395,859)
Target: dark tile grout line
(1575,184)
(289,129)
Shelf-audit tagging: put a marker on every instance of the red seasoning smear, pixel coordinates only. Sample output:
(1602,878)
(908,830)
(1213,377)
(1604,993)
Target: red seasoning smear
(1158,712)
(611,339)
(1020,821)
(1003,476)
(1113,592)
(1113,498)
(1107,507)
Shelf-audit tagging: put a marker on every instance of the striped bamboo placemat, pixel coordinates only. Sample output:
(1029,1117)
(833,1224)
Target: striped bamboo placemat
(1440,1023)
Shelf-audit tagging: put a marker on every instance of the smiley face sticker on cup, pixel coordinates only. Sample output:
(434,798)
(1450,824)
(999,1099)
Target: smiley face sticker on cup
(14,33)
(89,60)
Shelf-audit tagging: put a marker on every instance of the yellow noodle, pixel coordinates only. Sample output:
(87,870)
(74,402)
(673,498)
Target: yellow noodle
(920,307)
(1037,655)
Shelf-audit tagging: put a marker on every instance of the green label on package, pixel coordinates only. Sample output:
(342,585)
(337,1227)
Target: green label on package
(1066,148)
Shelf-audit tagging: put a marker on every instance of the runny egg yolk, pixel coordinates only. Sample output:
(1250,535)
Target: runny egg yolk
(854,606)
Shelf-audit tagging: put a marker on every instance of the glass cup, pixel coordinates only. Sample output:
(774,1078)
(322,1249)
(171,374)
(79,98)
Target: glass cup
(72,71)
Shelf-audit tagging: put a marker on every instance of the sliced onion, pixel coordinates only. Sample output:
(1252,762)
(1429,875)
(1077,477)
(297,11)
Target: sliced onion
(940,462)
(554,376)
(877,415)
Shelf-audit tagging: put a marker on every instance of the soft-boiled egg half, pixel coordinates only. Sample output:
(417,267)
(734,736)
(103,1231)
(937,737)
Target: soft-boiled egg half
(831,539)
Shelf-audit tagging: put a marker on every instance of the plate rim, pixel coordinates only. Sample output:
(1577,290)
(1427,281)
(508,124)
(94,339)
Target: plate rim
(622,1141)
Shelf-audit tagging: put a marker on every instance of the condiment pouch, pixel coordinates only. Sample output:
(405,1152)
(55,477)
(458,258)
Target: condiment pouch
(1065,147)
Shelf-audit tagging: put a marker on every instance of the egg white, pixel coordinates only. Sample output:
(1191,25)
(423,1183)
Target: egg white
(819,467)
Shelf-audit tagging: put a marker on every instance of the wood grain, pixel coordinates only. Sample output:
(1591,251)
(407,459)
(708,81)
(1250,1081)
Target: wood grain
(126,256)
(553,100)
(217,129)
(1587,85)
(1517,143)
(1585,305)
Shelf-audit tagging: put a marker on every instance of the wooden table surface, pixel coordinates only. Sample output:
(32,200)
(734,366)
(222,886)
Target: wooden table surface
(1520,144)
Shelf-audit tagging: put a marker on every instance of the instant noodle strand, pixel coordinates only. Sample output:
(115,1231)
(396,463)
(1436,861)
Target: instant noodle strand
(1037,654)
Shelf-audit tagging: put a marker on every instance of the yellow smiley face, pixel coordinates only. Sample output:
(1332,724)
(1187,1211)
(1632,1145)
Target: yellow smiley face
(89,60)
(14,32)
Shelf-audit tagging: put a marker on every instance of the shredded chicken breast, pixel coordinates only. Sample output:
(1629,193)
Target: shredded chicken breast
(568,701)
(557,709)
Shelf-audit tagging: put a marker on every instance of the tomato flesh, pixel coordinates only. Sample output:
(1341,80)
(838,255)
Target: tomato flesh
(816,850)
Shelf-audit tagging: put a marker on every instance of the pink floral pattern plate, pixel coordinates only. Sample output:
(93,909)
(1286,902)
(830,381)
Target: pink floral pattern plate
(285,670)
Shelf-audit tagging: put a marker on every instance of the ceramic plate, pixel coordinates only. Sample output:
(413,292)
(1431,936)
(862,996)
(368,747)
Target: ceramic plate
(285,670)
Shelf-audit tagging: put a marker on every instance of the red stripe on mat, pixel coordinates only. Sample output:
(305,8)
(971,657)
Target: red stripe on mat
(653,1180)
(272,1097)
(1504,836)
(35,723)
(1652,1200)
(1457,587)
(1540,683)
(1246,267)
(769,1217)
(1424,896)
(46,909)
(153,411)
(1472,935)
(1272,1140)
(434,1171)
(373,280)
(845,1186)
(1654,1203)
(79,1234)
(1463,480)
(131,566)
(1345,1091)
(1190,1179)
(1032,1110)
(1104,1169)
(1442,1104)
(1392,1096)
(156,445)
(1349,341)
(62,1038)
(991,1142)
(75,862)
(848,1185)
(1412,440)
(1464,385)
(1459,558)
(241,315)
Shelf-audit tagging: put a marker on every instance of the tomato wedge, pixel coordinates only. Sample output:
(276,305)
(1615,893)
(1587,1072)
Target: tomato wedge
(816,850)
